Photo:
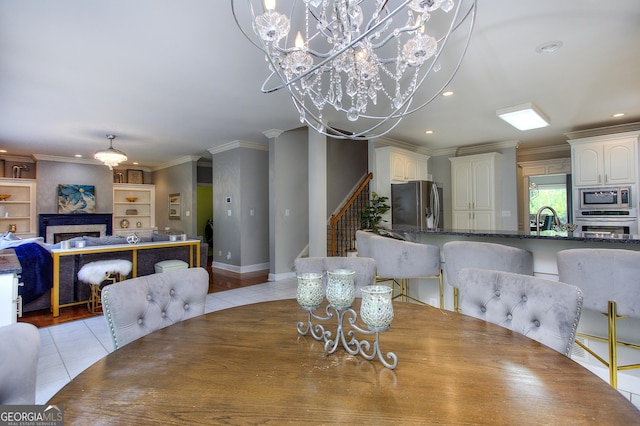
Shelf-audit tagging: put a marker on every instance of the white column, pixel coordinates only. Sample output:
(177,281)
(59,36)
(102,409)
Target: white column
(317,194)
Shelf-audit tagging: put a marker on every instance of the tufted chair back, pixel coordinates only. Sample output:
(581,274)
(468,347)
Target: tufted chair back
(136,307)
(400,260)
(475,254)
(19,354)
(364,267)
(543,310)
(609,279)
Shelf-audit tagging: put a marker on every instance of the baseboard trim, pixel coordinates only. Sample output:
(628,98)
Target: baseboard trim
(240,269)
(283,276)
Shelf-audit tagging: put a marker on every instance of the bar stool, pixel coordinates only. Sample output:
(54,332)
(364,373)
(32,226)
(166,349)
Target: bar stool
(95,273)
(400,261)
(487,256)
(609,280)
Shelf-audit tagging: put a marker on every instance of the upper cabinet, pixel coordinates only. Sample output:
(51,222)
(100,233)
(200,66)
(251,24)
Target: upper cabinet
(605,160)
(476,191)
(134,209)
(18,207)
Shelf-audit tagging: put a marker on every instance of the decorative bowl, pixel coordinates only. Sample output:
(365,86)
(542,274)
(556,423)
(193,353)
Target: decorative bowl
(4,196)
(132,199)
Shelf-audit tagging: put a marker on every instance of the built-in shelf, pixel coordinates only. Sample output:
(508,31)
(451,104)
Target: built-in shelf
(18,210)
(134,209)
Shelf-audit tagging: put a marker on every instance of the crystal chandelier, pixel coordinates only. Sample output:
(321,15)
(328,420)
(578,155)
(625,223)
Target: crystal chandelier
(111,156)
(357,67)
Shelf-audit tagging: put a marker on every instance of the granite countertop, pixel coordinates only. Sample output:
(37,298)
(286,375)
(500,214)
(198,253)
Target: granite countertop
(9,263)
(546,235)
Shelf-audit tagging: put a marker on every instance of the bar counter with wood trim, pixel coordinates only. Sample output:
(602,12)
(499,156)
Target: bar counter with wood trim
(248,365)
(194,252)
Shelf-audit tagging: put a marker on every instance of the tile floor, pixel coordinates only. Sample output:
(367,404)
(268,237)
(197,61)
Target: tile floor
(60,359)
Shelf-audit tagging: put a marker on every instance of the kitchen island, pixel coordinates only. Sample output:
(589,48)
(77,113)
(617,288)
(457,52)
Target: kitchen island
(544,248)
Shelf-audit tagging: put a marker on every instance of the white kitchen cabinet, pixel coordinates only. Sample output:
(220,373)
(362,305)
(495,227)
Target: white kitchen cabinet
(18,207)
(605,160)
(134,209)
(476,191)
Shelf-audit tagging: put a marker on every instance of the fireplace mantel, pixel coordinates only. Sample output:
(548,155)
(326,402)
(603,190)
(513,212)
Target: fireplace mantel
(46,220)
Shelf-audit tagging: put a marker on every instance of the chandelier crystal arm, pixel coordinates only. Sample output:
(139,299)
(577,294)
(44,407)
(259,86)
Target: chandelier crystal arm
(361,65)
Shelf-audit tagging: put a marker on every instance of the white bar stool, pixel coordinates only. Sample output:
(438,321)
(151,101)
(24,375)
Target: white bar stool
(95,273)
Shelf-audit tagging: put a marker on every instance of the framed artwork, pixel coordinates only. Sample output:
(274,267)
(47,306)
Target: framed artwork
(135,176)
(76,198)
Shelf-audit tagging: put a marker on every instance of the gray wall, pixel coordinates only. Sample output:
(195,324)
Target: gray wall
(254,207)
(240,188)
(226,228)
(50,174)
(288,190)
(346,165)
(182,179)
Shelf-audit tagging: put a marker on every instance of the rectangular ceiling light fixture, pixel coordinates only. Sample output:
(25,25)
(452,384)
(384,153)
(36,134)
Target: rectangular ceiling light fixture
(524,117)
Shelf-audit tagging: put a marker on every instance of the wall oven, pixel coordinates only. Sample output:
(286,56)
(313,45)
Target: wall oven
(606,210)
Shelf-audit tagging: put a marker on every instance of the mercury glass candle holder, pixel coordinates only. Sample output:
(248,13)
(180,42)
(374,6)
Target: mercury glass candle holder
(341,290)
(309,292)
(376,308)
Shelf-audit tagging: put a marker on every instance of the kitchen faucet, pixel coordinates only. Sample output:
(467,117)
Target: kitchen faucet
(555,217)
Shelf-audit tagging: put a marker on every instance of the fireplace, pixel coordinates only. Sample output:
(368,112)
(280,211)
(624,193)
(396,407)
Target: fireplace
(58,227)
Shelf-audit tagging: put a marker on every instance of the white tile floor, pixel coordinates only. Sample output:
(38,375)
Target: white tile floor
(67,349)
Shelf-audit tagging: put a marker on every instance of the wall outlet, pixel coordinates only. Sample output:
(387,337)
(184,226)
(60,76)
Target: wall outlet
(228,255)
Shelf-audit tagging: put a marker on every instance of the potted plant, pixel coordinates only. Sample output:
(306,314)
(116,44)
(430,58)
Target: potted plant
(371,216)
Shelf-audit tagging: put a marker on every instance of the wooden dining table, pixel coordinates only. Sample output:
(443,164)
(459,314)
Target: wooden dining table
(249,365)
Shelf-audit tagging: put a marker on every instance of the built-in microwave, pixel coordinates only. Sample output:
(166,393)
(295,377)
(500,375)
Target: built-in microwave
(605,198)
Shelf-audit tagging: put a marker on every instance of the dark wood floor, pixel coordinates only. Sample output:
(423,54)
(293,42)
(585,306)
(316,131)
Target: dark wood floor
(219,280)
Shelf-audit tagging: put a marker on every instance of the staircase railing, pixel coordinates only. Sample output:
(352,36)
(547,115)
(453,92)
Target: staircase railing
(344,224)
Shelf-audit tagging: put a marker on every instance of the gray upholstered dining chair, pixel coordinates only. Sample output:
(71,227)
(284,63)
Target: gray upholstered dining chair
(19,354)
(474,254)
(399,261)
(136,307)
(543,310)
(364,267)
(609,280)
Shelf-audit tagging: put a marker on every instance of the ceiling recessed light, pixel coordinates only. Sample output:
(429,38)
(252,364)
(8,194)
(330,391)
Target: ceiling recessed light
(448,93)
(428,132)
(618,114)
(135,163)
(3,150)
(78,155)
(549,47)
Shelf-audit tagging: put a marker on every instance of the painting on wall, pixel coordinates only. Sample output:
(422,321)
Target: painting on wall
(76,199)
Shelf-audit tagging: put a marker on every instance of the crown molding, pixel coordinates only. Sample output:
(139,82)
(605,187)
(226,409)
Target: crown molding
(384,141)
(238,144)
(273,133)
(89,161)
(563,147)
(476,149)
(604,131)
(177,161)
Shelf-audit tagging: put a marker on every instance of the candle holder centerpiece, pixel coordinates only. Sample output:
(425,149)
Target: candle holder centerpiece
(376,310)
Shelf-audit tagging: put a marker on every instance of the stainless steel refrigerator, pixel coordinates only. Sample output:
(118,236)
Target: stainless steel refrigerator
(417,203)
